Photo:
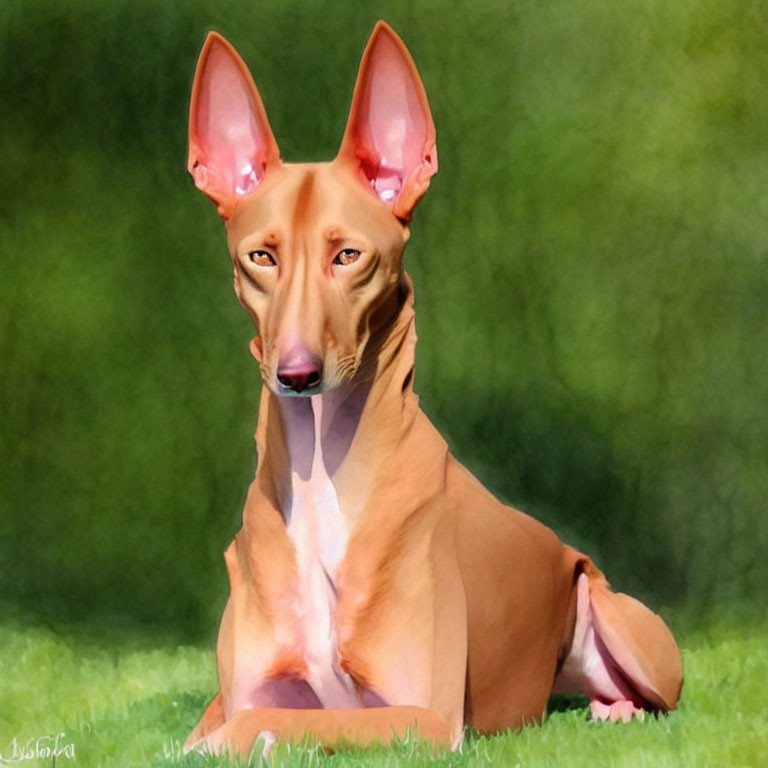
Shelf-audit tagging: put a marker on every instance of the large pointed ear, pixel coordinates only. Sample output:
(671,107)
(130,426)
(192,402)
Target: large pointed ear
(230,141)
(390,134)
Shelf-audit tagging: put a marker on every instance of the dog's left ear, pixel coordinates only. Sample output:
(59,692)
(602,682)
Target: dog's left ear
(390,135)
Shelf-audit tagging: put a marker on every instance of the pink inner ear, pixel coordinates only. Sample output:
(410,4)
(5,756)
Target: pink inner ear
(390,127)
(230,141)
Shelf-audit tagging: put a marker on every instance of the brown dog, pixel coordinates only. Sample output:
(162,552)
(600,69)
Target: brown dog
(376,586)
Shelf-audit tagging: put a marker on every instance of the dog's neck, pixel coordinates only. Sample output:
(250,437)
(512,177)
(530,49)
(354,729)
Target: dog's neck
(348,434)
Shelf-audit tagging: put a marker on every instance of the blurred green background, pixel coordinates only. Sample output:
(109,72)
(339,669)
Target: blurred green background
(591,270)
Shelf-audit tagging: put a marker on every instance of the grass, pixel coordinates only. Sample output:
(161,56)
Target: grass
(129,699)
(590,266)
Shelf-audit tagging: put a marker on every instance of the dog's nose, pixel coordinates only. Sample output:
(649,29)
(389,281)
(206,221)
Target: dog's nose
(298,376)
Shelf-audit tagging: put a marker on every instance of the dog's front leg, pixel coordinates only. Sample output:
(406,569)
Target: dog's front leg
(331,728)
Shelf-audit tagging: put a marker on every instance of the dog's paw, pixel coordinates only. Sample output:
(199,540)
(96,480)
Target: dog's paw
(265,740)
(211,745)
(619,711)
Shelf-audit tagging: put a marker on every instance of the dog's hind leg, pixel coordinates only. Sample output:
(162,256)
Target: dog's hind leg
(622,655)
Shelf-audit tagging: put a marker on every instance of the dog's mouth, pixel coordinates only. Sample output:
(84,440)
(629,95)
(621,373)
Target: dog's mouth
(322,387)
(303,383)
(304,374)
(303,378)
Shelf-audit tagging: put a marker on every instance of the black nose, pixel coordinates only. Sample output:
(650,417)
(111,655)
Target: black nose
(300,378)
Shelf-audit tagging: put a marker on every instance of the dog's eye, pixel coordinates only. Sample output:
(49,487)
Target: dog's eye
(262,258)
(346,256)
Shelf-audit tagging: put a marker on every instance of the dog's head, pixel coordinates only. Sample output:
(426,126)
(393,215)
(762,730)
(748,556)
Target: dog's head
(316,247)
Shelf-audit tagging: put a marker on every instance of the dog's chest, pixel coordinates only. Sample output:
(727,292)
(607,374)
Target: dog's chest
(319,532)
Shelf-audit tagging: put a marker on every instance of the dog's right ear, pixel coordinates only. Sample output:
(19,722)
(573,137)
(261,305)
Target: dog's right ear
(230,141)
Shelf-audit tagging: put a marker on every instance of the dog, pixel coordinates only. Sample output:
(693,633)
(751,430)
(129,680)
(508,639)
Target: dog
(376,587)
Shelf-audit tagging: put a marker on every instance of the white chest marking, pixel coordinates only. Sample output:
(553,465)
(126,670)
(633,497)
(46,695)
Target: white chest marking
(319,533)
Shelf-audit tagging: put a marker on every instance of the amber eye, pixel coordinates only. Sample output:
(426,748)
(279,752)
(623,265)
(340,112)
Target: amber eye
(346,256)
(262,258)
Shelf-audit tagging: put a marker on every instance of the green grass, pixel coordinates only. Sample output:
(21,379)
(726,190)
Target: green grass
(129,699)
(590,266)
